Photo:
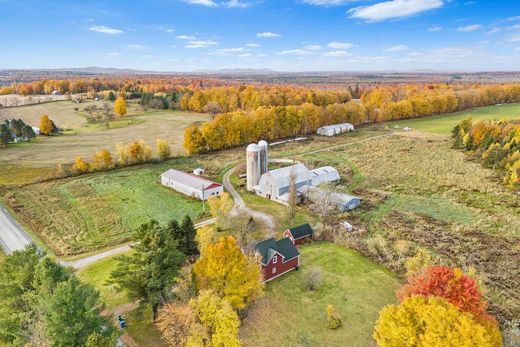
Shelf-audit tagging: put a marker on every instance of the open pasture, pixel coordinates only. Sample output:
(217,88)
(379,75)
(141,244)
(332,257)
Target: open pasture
(87,213)
(291,315)
(444,123)
(436,197)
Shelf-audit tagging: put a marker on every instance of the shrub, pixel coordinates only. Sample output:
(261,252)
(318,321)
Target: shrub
(333,320)
(313,278)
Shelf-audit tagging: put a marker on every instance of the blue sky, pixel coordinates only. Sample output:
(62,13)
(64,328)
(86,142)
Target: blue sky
(284,35)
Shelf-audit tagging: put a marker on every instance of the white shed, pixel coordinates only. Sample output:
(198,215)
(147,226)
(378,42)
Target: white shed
(331,130)
(198,171)
(191,185)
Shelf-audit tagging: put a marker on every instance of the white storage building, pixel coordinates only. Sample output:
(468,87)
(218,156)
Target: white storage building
(276,183)
(191,185)
(331,130)
(323,175)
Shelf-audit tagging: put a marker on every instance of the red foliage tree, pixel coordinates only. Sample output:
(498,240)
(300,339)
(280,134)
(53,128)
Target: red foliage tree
(451,284)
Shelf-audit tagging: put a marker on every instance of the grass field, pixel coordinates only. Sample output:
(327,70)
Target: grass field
(290,315)
(97,275)
(89,212)
(25,162)
(443,124)
(436,197)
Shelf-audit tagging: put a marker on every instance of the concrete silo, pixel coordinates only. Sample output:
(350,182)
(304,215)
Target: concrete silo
(262,157)
(252,166)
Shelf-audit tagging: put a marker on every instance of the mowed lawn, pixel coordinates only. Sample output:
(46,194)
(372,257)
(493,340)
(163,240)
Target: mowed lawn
(443,124)
(86,213)
(291,315)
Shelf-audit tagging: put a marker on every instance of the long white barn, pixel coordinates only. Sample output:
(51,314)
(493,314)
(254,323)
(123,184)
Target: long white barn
(331,130)
(191,185)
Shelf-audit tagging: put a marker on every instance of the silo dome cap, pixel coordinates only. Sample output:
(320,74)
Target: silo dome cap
(252,147)
(262,143)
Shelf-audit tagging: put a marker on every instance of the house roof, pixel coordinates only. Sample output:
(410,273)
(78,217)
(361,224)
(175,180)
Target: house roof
(269,247)
(301,231)
(190,180)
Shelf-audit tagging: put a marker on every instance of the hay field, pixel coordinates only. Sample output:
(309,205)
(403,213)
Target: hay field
(443,124)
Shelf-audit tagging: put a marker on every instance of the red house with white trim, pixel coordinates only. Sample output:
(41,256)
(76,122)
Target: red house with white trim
(298,235)
(277,257)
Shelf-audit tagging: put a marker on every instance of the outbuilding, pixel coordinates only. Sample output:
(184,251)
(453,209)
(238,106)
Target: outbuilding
(276,183)
(298,235)
(191,185)
(324,174)
(331,130)
(347,202)
(277,257)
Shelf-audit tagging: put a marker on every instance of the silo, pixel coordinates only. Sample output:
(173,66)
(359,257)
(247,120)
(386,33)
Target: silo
(252,166)
(262,156)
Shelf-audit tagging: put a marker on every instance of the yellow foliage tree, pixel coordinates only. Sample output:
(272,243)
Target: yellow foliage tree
(205,237)
(419,261)
(46,125)
(120,106)
(163,149)
(220,207)
(80,166)
(226,270)
(512,178)
(102,160)
(432,322)
(216,323)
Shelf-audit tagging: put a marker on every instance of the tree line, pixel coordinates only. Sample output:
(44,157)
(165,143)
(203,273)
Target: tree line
(272,122)
(497,143)
(15,129)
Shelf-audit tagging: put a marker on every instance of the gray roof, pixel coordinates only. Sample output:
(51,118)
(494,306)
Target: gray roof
(282,175)
(189,180)
(336,126)
(269,247)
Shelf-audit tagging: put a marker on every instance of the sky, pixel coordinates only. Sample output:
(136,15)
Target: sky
(282,35)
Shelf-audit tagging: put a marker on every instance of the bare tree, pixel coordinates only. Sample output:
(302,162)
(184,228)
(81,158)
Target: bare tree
(108,115)
(212,108)
(324,202)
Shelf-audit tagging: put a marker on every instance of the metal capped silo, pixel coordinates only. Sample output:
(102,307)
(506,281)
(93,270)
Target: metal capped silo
(262,156)
(252,166)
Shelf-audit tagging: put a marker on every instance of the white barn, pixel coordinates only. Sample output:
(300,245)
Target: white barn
(191,185)
(276,183)
(323,175)
(331,130)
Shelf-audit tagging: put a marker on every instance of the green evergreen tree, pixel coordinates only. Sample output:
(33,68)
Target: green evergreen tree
(149,273)
(188,244)
(5,134)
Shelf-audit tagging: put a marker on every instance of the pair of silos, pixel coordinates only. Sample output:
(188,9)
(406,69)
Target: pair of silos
(256,161)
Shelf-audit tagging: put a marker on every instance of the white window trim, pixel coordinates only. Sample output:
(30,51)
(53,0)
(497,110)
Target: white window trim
(275,259)
(273,270)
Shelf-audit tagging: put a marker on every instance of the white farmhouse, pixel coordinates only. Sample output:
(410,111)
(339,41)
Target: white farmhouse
(331,130)
(191,185)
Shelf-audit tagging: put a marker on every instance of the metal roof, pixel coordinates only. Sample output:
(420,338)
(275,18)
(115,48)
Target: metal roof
(335,126)
(189,180)
(269,247)
(282,175)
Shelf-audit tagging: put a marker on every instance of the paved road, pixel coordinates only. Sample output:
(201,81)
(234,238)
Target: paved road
(83,262)
(240,205)
(12,235)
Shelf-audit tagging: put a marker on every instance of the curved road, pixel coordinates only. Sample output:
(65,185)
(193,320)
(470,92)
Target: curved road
(240,205)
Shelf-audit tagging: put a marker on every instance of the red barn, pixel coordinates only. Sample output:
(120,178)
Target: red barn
(299,234)
(278,257)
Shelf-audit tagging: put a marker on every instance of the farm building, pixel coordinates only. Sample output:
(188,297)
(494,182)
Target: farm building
(276,183)
(324,175)
(347,202)
(191,185)
(198,171)
(344,202)
(277,257)
(298,235)
(331,130)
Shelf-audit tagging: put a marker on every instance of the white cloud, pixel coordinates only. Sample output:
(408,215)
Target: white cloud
(313,47)
(517,49)
(267,34)
(469,28)
(227,51)
(253,45)
(394,9)
(237,4)
(295,52)
(397,48)
(434,28)
(514,38)
(186,37)
(169,31)
(113,54)
(208,3)
(105,30)
(244,55)
(201,44)
(327,2)
(335,54)
(339,45)
(145,56)
(136,47)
